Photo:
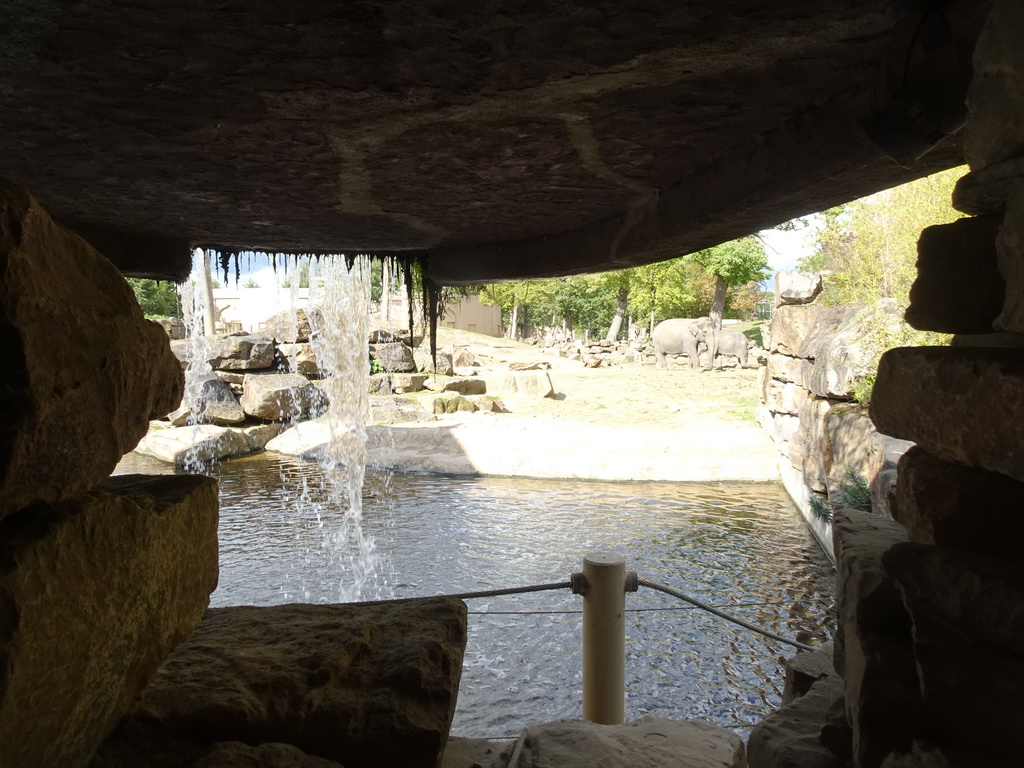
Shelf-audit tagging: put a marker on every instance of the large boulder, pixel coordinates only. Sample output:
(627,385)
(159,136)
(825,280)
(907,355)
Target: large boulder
(240,352)
(212,401)
(194,446)
(394,357)
(84,372)
(96,591)
(796,287)
(288,327)
(372,684)
(280,396)
(650,742)
(808,732)
(426,364)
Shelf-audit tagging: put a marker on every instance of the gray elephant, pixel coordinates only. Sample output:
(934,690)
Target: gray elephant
(735,344)
(680,336)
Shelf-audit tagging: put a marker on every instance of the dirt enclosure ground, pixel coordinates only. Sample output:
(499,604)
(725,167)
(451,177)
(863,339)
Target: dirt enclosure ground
(625,422)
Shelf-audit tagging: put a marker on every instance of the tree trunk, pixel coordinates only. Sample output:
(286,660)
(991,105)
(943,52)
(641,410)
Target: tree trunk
(718,302)
(206,289)
(513,322)
(620,313)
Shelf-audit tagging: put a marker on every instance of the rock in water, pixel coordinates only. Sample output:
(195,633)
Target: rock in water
(189,446)
(95,592)
(280,396)
(369,685)
(84,372)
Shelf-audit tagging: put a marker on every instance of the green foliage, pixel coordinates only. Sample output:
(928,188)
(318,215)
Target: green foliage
(376,366)
(868,251)
(157,298)
(870,245)
(250,283)
(737,262)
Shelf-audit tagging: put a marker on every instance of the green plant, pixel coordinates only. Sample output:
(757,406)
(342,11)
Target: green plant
(855,493)
(863,388)
(820,508)
(376,366)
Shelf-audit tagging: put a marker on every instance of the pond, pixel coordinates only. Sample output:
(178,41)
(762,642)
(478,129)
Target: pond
(284,538)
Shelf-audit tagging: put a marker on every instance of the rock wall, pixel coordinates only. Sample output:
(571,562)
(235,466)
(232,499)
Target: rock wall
(99,578)
(826,440)
(929,651)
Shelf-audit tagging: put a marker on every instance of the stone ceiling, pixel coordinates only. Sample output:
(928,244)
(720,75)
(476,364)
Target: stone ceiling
(502,139)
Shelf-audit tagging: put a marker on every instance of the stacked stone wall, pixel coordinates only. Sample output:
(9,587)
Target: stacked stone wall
(929,652)
(826,440)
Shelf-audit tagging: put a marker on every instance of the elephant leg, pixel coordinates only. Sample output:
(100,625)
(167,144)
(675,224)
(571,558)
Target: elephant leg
(712,352)
(660,359)
(690,347)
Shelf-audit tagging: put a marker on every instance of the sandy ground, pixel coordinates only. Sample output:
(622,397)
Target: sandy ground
(625,422)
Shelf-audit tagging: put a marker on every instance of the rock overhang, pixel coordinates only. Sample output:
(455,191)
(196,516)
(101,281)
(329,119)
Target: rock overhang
(500,140)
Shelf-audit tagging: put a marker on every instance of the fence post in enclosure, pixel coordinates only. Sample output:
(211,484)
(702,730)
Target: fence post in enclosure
(604,584)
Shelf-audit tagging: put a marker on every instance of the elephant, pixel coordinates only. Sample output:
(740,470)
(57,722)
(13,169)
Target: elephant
(680,336)
(733,343)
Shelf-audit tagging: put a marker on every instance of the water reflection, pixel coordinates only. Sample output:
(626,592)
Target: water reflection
(742,546)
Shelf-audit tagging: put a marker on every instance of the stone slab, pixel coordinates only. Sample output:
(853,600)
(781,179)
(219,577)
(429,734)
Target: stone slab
(94,593)
(874,652)
(958,507)
(960,404)
(367,685)
(792,369)
(649,742)
(958,288)
(519,383)
(83,371)
(791,324)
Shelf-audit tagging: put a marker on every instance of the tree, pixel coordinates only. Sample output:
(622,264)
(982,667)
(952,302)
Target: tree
(157,298)
(870,245)
(734,263)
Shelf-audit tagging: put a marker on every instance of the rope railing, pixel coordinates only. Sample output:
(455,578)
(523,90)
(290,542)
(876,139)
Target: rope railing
(603,583)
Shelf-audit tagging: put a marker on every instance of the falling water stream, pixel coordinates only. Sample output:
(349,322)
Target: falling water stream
(321,532)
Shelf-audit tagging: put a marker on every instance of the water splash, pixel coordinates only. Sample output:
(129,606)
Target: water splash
(339,310)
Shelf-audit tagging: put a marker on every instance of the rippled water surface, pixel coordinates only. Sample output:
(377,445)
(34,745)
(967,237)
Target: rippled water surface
(742,546)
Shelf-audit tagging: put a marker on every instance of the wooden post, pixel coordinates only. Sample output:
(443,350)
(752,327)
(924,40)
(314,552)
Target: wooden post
(604,638)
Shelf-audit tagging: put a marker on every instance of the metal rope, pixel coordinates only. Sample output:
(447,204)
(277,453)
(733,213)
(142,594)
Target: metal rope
(506,591)
(722,615)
